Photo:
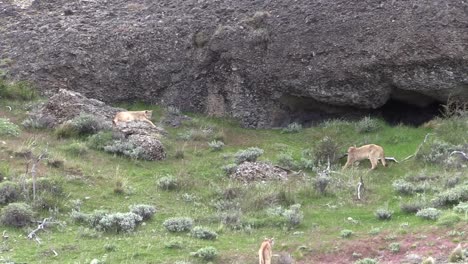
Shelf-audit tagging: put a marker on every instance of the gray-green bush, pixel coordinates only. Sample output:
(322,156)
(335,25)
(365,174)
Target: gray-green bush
(250,154)
(119,222)
(429,213)
(144,210)
(178,224)
(99,140)
(216,145)
(206,253)
(203,233)
(403,187)
(8,128)
(167,183)
(383,214)
(17,215)
(367,125)
(9,192)
(292,128)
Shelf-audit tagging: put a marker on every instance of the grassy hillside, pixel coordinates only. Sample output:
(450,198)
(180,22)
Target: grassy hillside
(333,226)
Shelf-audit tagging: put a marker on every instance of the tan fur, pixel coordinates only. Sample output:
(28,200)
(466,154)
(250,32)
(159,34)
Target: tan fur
(372,152)
(134,116)
(265,253)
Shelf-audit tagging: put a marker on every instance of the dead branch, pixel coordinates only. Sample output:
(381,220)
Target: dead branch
(419,147)
(464,155)
(32,234)
(33,170)
(360,187)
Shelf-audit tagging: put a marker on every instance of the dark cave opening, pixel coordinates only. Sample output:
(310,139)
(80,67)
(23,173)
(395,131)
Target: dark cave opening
(398,110)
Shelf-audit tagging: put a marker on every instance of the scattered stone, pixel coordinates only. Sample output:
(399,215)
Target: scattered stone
(412,259)
(258,171)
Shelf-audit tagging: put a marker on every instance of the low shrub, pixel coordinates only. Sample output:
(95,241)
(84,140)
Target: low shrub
(229,168)
(367,125)
(17,215)
(412,207)
(76,148)
(294,215)
(452,196)
(119,222)
(394,247)
(143,210)
(462,208)
(448,220)
(435,152)
(326,149)
(7,128)
(286,160)
(66,130)
(250,154)
(231,218)
(366,261)
(203,233)
(178,224)
(9,192)
(321,182)
(403,187)
(292,128)
(86,124)
(40,122)
(95,217)
(99,140)
(176,243)
(383,214)
(128,149)
(110,247)
(206,253)
(429,213)
(346,233)
(21,90)
(167,183)
(216,145)
(79,217)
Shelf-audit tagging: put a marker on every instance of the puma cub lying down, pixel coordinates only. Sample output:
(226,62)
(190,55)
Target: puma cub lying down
(134,116)
(265,253)
(372,152)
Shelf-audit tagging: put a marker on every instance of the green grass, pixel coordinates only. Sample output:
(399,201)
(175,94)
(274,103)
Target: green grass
(90,176)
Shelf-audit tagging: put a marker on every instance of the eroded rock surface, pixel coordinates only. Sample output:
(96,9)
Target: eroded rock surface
(262,62)
(258,171)
(135,139)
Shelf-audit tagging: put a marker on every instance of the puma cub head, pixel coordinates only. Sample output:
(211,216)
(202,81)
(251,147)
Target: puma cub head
(372,152)
(127,116)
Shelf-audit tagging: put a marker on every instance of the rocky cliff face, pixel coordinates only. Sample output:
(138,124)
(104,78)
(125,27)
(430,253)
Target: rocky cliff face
(264,62)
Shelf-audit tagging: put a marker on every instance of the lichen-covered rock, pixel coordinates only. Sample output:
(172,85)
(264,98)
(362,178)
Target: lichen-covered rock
(140,128)
(66,105)
(258,171)
(152,149)
(264,63)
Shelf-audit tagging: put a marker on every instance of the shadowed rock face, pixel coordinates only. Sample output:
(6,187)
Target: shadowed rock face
(266,63)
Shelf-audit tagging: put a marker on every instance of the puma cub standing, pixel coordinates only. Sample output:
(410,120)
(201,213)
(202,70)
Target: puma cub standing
(372,152)
(264,253)
(134,116)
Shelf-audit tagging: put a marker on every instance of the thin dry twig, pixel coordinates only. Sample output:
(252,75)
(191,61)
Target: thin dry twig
(419,147)
(32,234)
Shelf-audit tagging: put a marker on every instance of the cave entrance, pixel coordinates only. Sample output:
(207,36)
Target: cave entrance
(397,112)
(401,108)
